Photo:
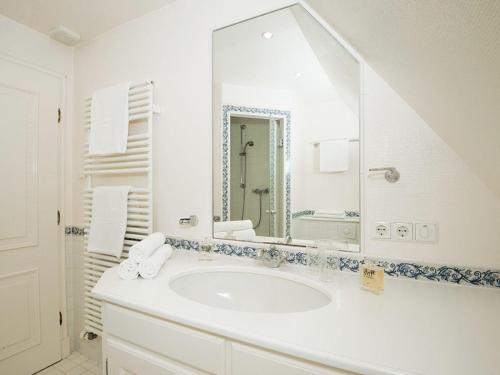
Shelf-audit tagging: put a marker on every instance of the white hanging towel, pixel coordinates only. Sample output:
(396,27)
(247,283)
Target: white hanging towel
(128,270)
(109,120)
(230,226)
(109,220)
(151,266)
(142,250)
(334,156)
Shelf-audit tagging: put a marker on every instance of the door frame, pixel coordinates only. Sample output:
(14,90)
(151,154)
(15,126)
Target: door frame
(229,110)
(61,134)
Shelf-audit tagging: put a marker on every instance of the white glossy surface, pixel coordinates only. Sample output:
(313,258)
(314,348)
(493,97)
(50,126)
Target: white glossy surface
(412,328)
(250,290)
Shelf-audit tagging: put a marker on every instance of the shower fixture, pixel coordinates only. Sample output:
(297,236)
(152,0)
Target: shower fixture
(243,166)
(260,192)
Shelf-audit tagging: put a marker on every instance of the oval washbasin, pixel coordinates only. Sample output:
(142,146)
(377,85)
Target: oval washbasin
(249,291)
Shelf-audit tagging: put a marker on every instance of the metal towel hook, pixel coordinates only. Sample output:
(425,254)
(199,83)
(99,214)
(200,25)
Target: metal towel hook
(391,174)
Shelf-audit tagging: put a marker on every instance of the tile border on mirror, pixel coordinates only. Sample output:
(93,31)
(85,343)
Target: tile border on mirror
(458,275)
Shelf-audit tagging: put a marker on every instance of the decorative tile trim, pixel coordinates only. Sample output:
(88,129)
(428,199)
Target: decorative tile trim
(351,213)
(297,214)
(74,230)
(393,268)
(227,110)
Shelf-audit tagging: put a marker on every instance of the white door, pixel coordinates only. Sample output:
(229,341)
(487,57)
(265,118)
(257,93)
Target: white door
(29,261)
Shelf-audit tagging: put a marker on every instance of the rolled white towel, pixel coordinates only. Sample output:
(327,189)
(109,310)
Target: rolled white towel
(128,270)
(143,249)
(231,226)
(151,266)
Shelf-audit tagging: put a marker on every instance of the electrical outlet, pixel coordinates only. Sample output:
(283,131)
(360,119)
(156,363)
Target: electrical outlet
(402,231)
(426,232)
(382,230)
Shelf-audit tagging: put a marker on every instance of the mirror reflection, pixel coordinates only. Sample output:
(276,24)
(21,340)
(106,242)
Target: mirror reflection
(285,133)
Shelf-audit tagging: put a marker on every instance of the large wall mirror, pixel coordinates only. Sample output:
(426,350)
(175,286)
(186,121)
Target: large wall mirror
(286,138)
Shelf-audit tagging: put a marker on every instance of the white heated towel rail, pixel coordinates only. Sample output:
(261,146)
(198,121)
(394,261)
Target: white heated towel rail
(132,168)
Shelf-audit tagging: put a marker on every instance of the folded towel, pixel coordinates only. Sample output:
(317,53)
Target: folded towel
(109,120)
(109,220)
(151,266)
(231,226)
(143,249)
(334,156)
(326,212)
(242,235)
(128,270)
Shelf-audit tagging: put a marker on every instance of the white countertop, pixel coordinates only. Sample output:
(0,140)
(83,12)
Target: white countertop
(414,327)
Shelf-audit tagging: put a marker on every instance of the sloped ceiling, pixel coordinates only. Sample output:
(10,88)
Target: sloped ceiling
(443,58)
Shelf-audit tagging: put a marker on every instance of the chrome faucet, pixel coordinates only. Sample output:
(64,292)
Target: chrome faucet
(271,257)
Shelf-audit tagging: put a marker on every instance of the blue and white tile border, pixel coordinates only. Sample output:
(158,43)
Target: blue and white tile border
(227,111)
(352,263)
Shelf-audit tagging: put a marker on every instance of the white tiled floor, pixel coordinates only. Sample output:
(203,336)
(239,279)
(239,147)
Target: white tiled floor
(75,364)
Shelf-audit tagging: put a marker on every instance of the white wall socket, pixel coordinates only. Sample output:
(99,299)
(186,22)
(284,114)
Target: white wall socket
(402,231)
(382,230)
(426,232)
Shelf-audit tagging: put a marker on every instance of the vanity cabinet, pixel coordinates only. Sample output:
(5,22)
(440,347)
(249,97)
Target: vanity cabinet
(137,343)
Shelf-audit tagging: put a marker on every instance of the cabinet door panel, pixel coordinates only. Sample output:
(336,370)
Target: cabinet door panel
(198,349)
(126,359)
(246,360)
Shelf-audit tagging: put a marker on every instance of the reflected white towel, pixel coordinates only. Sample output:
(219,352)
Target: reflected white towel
(109,120)
(329,213)
(231,226)
(128,270)
(109,220)
(334,156)
(151,266)
(143,249)
(242,235)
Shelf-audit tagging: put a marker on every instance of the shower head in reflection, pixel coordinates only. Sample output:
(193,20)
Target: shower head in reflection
(248,144)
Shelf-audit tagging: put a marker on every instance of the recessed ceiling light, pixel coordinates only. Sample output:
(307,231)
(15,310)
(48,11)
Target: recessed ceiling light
(298,74)
(267,35)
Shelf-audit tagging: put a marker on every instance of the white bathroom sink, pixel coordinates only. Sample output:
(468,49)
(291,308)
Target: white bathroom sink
(250,290)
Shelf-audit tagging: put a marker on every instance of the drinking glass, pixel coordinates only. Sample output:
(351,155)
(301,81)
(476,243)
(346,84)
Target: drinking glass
(327,260)
(313,258)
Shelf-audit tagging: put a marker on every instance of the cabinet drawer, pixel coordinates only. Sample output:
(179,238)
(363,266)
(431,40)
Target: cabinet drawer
(247,360)
(127,359)
(197,349)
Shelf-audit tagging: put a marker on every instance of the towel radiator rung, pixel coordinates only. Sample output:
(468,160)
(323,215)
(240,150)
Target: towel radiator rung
(136,162)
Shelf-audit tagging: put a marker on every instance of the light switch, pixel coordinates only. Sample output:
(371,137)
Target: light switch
(426,232)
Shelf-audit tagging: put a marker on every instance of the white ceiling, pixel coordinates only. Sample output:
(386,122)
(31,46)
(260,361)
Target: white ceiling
(243,57)
(443,58)
(88,18)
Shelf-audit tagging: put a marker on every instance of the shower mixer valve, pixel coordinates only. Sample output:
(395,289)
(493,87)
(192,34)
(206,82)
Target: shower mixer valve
(261,191)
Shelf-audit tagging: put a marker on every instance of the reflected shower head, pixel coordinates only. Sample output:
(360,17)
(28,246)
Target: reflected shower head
(243,126)
(244,152)
(249,143)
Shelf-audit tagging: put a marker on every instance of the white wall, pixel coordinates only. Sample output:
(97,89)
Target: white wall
(435,186)
(172,47)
